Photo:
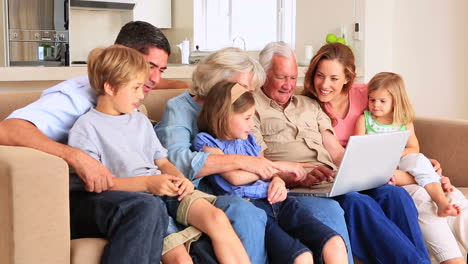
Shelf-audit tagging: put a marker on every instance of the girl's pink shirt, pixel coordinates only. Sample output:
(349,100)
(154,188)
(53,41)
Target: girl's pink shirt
(344,128)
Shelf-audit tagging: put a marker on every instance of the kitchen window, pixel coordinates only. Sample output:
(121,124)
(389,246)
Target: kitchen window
(246,24)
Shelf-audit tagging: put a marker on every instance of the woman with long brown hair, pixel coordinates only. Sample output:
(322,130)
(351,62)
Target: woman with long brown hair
(330,80)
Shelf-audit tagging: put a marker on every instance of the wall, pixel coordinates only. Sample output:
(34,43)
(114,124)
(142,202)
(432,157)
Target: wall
(430,50)
(378,37)
(315,19)
(182,27)
(94,28)
(311,27)
(156,12)
(427,47)
(424,40)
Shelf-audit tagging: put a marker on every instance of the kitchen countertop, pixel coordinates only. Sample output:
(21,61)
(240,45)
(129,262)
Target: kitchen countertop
(18,74)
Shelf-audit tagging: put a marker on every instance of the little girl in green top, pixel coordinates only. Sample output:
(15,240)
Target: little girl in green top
(390,110)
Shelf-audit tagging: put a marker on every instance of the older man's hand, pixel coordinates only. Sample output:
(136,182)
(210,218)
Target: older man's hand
(295,170)
(319,174)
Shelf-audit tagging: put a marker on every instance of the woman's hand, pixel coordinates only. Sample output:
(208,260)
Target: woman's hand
(446,184)
(277,191)
(162,184)
(436,166)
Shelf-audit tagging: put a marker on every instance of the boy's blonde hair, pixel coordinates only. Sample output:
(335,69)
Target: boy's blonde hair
(403,111)
(217,109)
(116,65)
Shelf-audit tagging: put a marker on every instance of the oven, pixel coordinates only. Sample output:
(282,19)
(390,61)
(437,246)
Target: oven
(38,33)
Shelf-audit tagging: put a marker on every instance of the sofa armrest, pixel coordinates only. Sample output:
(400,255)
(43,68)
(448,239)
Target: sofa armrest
(445,140)
(34,207)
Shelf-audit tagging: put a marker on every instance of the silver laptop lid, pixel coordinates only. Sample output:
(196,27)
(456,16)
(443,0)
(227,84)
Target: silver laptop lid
(369,161)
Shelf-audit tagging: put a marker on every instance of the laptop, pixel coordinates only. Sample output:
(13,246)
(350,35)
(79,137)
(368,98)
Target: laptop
(369,161)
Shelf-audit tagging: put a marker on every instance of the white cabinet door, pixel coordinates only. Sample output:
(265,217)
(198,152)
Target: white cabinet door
(156,12)
(113,1)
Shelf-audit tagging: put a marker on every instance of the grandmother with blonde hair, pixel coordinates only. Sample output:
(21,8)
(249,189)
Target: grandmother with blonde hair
(178,128)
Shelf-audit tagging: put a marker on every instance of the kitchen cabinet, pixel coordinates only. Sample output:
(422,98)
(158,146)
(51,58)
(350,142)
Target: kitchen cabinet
(156,12)
(106,4)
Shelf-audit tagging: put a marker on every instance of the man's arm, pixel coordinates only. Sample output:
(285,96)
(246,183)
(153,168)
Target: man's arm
(172,84)
(18,132)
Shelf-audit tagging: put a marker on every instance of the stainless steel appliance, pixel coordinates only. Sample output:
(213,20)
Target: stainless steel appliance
(38,33)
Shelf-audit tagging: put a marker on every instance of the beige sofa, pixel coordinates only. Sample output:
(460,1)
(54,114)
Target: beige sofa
(34,209)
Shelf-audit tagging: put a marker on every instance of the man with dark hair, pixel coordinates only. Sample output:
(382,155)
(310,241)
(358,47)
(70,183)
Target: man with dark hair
(133,223)
(141,36)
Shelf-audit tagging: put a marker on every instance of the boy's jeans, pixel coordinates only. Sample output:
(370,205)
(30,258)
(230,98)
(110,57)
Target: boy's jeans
(134,224)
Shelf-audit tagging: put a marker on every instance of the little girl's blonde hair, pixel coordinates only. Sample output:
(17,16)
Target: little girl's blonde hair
(403,111)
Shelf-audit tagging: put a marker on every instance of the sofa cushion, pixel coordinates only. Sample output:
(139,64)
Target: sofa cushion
(87,250)
(156,100)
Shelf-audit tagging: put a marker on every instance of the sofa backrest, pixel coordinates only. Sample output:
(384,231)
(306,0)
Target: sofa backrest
(432,138)
(9,102)
(155,102)
(446,141)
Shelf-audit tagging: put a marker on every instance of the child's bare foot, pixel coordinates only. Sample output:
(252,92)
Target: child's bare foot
(448,209)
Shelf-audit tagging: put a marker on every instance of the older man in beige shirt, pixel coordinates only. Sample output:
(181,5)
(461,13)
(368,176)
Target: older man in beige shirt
(293,132)
(290,128)
(293,127)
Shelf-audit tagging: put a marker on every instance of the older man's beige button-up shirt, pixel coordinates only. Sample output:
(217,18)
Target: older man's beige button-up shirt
(291,133)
